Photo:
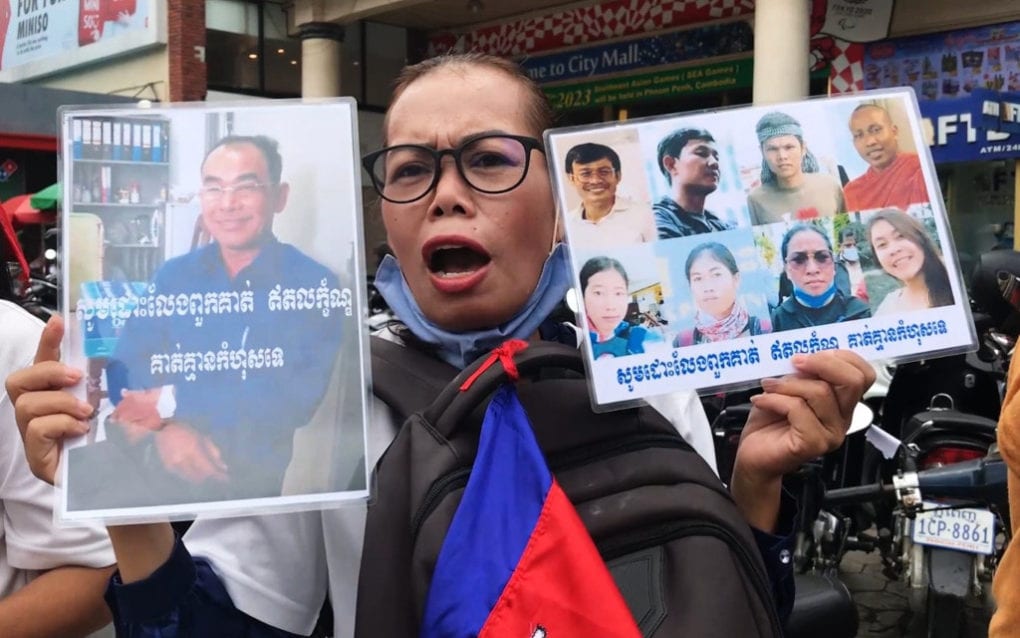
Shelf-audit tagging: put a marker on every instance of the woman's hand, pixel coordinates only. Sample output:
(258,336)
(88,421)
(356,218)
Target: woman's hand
(45,412)
(798,418)
(47,415)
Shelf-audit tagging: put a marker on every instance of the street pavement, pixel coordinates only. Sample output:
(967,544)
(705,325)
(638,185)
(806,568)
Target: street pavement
(883,607)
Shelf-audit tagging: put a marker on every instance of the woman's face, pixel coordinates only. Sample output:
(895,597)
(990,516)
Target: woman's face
(606,300)
(809,263)
(470,259)
(713,285)
(898,255)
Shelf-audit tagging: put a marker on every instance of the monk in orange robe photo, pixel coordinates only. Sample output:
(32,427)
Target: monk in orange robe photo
(894,178)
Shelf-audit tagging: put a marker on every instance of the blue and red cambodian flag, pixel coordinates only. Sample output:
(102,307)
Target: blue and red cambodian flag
(517,561)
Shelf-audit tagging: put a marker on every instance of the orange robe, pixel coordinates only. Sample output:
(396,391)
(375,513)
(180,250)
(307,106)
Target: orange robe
(1006,585)
(899,185)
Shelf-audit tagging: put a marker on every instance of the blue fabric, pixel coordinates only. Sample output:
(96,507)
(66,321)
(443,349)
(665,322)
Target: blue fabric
(461,348)
(791,314)
(815,301)
(183,598)
(776,550)
(626,339)
(250,414)
(503,498)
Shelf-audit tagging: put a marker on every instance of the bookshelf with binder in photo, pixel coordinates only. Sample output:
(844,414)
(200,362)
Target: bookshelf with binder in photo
(120,172)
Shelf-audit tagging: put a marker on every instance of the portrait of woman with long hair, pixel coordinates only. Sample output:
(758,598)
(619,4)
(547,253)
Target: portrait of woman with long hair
(906,252)
(714,279)
(604,285)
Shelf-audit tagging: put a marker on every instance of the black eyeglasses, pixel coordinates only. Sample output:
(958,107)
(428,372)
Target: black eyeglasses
(820,257)
(489,164)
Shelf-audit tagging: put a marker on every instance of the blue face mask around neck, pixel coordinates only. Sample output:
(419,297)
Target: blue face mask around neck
(815,301)
(461,348)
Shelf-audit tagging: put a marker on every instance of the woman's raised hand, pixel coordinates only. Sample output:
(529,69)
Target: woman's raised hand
(46,413)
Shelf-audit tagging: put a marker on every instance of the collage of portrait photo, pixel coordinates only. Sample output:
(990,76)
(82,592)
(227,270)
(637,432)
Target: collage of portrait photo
(711,227)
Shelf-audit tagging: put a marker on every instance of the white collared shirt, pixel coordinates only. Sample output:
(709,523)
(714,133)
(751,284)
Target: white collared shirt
(629,222)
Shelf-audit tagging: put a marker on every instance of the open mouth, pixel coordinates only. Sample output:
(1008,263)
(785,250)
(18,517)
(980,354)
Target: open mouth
(455,259)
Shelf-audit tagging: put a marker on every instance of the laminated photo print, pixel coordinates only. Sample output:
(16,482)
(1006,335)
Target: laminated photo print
(710,248)
(213,279)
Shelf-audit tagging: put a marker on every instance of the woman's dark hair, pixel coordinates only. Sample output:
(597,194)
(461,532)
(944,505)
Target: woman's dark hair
(596,265)
(936,277)
(719,252)
(537,109)
(796,228)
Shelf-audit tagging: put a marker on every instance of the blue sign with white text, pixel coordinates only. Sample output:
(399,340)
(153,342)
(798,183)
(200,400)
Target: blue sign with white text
(659,50)
(967,84)
(958,135)
(999,111)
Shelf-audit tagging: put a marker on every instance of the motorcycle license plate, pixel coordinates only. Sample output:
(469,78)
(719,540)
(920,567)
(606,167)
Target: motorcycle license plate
(965,529)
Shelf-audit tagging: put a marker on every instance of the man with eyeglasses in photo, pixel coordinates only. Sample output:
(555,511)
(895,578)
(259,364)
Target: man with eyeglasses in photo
(603,218)
(185,431)
(817,300)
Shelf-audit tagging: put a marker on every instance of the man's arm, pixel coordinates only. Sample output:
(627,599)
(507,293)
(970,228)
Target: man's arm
(66,601)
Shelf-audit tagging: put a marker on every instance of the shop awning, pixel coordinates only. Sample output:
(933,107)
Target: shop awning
(47,198)
(22,212)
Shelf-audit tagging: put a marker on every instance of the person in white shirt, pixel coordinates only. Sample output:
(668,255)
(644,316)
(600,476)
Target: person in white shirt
(603,218)
(52,578)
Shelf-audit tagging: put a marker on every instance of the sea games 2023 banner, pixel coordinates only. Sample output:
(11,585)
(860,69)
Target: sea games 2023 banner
(40,37)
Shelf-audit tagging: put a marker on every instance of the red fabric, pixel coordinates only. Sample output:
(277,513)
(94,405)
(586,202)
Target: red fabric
(12,242)
(504,353)
(861,291)
(560,586)
(900,185)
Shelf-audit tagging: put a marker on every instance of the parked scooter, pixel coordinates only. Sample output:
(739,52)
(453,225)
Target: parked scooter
(29,279)
(950,532)
(823,605)
(945,411)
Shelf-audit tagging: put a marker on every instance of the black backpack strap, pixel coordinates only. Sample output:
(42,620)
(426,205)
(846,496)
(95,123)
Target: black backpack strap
(452,405)
(405,378)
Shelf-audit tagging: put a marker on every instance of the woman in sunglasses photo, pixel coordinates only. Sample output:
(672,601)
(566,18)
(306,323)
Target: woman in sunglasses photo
(469,213)
(906,252)
(809,263)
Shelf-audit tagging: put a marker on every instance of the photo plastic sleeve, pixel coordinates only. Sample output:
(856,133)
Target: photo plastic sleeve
(711,248)
(213,297)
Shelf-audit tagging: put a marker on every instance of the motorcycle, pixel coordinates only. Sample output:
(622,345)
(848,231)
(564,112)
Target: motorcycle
(30,279)
(945,411)
(823,605)
(950,535)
